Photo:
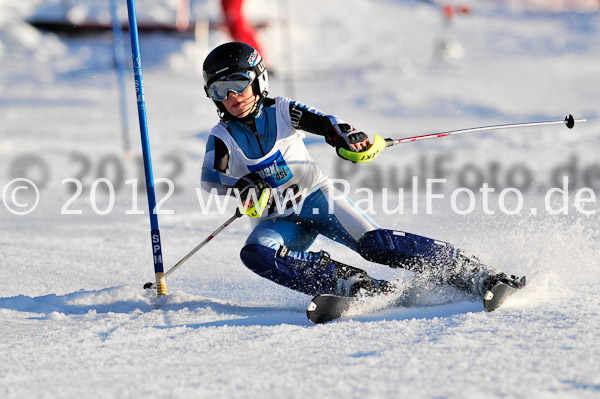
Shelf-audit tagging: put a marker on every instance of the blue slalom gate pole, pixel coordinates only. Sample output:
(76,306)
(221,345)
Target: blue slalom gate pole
(161,286)
(119,55)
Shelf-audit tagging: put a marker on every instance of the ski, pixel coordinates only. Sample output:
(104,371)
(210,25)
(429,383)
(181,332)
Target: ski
(496,295)
(327,307)
(324,308)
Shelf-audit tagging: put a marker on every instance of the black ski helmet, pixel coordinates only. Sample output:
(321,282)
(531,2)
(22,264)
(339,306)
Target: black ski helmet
(235,57)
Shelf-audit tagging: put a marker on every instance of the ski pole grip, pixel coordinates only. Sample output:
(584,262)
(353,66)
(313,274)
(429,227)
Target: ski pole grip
(379,143)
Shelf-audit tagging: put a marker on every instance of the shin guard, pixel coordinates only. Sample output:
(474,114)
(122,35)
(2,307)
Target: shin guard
(309,272)
(405,250)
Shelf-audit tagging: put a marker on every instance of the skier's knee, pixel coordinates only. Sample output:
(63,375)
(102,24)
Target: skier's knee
(258,258)
(307,272)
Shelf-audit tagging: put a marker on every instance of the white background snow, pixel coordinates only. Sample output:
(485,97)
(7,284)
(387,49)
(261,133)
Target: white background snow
(75,321)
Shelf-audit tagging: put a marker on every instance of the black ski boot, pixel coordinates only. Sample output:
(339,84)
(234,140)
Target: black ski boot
(512,281)
(352,281)
(469,274)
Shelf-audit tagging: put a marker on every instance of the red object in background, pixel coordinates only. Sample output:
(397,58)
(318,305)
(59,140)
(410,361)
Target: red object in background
(451,10)
(448,11)
(465,10)
(239,27)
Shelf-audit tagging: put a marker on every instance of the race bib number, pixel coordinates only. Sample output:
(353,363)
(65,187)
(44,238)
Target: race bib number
(273,170)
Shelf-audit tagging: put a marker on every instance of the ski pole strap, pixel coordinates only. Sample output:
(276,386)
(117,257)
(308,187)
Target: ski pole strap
(379,143)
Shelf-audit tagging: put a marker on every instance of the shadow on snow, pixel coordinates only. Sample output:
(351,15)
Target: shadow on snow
(127,299)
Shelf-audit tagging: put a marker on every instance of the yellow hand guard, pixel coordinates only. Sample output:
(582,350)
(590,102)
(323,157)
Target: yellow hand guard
(368,155)
(256,209)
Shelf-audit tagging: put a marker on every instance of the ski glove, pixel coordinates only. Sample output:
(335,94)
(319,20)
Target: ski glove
(347,137)
(254,195)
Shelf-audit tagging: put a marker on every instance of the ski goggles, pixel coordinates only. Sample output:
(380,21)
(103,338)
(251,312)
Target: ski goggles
(236,82)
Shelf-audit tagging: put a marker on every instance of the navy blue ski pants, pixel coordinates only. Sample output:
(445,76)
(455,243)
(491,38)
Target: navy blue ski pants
(277,248)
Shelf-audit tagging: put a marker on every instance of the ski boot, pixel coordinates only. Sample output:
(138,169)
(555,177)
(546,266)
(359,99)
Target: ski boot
(512,281)
(469,274)
(352,281)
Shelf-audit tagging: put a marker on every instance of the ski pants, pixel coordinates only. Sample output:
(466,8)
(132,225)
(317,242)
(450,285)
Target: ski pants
(277,248)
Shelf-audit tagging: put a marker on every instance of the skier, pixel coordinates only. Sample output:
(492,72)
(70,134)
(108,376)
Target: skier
(257,149)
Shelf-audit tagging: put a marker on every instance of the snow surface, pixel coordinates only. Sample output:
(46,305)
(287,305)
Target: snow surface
(76,321)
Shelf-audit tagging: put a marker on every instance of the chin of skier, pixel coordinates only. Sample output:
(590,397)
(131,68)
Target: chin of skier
(257,149)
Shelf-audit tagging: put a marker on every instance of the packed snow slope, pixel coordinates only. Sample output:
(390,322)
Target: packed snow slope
(75,321)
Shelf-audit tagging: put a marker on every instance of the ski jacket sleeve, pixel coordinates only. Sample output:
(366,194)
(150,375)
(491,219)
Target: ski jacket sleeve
(214,167)
(314,121)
